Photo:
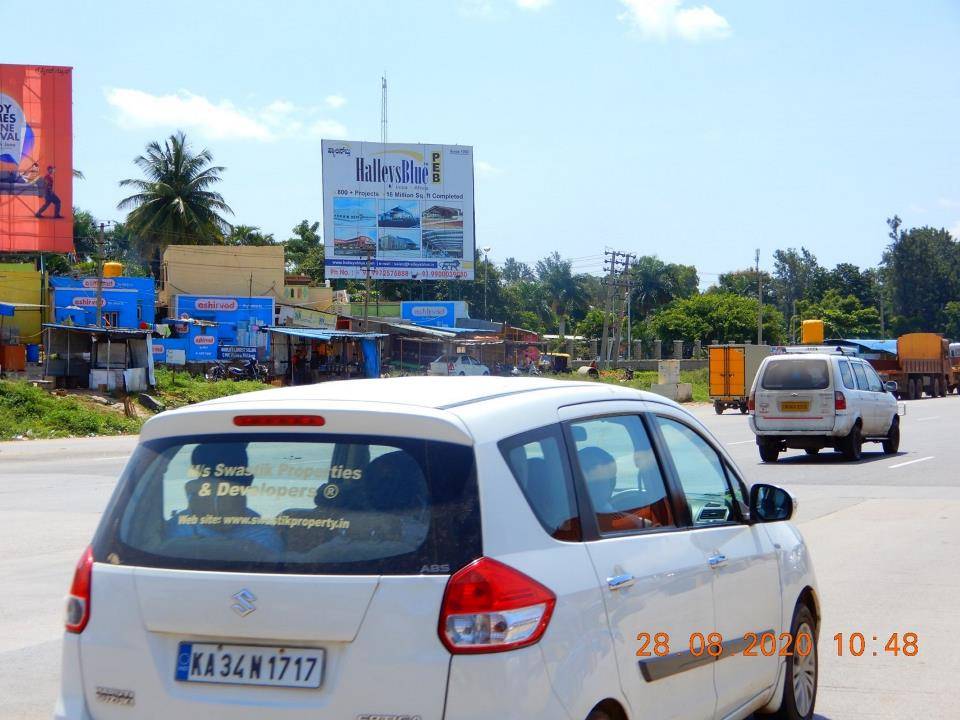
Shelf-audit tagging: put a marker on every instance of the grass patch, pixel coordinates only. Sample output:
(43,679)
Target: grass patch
(176,389)
(643,379)
(28,411)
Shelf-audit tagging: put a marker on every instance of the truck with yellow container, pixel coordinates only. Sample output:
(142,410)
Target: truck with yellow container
(732,368)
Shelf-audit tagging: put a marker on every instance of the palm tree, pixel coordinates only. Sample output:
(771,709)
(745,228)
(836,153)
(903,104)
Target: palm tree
(563,289)
(174,203)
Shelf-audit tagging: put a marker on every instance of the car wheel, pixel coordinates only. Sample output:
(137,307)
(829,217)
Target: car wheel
(769,451)
(486,372)
(811,451)
(800,685)
(718,407)
(892,443)
(853,444)
(461,373)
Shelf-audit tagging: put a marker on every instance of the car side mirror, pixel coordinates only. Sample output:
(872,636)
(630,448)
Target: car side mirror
(768,503)
(891,386)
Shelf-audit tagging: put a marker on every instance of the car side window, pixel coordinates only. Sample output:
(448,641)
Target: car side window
(538,461)
(700,472)
(621,473)
(875,384)
(862,383)
(847,374)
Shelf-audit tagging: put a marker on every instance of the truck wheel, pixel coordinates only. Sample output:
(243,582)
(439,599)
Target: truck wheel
(943,387)
(853,444)
(718,407)
(769,451)
(892,443)
(911,389)
(743,408)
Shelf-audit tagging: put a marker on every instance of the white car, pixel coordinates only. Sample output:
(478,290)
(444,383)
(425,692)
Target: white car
(814,400)
(419,548)
(457,365)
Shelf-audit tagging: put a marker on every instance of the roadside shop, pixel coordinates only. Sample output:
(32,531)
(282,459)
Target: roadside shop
(98,358)
(303,356)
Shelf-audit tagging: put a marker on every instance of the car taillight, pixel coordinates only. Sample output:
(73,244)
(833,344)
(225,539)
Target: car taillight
(490,607)
(751,403)
(279,420)
(78,601)
(450,368)
(839,401)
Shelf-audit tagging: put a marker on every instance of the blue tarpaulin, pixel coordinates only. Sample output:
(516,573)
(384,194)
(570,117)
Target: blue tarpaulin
(6,309)
(867,345)
(368,343)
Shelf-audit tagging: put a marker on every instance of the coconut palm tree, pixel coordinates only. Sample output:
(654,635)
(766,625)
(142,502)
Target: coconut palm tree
(563,289)
(174,202)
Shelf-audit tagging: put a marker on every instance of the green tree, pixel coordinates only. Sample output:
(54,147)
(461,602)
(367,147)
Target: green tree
(303,252)
(843,316)
(723,317)
(744,283)
(249,235)
(952,313)
(922,269)
(174,202)
(563,290)
(796,276)
(657,283)
(513,271)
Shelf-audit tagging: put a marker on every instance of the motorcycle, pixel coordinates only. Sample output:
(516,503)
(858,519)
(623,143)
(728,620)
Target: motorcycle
(251,370)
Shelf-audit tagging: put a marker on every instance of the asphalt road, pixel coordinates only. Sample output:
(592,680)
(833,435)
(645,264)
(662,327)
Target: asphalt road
(884,533)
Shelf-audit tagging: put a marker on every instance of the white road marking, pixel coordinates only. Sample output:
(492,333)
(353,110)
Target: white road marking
(924,419)
(741,442)
(910,462)
(101,459)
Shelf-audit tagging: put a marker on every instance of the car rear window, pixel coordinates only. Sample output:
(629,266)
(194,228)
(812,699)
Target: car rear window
(796,374)
(296,504)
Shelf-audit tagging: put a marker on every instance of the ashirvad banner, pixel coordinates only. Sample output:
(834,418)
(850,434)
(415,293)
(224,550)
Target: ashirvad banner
(36,159)
(398,211)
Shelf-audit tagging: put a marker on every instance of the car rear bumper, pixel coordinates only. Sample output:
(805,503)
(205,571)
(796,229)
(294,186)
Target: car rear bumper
(70,702)
(841,428)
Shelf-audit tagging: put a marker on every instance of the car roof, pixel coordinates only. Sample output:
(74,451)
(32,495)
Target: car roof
(482,407)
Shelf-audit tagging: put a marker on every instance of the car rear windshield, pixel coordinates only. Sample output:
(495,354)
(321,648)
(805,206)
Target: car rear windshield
(295,504)
(796,374)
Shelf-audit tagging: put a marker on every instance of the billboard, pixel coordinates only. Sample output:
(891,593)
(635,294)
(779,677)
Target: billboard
(403,211)
(238,332)
(437,313)
(36,159)
(125,302)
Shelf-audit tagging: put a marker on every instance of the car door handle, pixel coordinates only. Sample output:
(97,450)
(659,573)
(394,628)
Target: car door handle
(618,582)
(717,560)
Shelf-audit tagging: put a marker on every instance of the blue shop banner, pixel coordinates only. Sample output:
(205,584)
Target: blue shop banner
(436,313)
(125,302)
(239,331)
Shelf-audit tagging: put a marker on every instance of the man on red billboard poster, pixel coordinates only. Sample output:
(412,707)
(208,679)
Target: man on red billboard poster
(36,159)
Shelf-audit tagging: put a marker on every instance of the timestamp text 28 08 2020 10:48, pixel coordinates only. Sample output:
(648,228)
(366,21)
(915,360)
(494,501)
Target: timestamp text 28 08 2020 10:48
(783,644)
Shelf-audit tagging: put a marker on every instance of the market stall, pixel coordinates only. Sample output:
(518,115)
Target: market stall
(303,356)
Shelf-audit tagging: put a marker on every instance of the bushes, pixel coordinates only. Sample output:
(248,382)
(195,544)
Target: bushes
(27,411)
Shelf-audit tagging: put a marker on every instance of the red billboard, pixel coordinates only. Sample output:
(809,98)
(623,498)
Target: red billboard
(36,159)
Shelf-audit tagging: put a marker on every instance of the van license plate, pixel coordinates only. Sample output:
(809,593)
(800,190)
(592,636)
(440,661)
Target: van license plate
(794,406)
(250,665)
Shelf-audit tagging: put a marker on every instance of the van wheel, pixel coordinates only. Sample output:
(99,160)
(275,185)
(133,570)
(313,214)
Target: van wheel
(718,407)
(769,451)
(892,443)
(811,451)
(853,444)
(800,685)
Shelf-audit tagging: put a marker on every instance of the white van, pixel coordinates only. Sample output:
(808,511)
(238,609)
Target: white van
(816,400)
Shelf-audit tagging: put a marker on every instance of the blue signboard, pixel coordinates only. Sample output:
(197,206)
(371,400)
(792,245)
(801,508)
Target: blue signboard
(125,302)
(238,332)
(437,313)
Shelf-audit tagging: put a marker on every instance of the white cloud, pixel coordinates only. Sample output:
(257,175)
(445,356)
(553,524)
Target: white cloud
(663,19)
(533,4)
(335,101)
(218,120)
(485,168)
(955,230)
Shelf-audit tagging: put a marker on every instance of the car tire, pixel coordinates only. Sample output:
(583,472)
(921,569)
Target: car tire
(461,374)
(853,444)
(718,407)
(892,444)
(486,372)
(769,451)
(812,451)
(800,683)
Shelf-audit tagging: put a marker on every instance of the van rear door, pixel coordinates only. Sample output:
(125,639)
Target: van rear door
(795,393)
(253,575)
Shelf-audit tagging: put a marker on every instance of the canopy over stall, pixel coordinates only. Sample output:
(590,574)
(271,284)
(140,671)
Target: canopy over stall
(307,355)
(117,358)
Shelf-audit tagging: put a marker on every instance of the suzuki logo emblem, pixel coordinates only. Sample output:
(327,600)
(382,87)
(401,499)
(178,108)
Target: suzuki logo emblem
(244,603)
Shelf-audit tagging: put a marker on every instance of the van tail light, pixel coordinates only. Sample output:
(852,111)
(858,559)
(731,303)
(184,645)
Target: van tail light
(450,368)
(752,403)
(78,601)
(490,607)
(839,401)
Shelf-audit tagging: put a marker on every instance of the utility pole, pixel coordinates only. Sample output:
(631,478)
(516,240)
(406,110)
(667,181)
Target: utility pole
(486,270)
(616,264)
(366,293)
(99,299)
(759,301)
(609,265)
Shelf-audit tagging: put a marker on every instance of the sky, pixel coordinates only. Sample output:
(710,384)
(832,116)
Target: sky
(695,132)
